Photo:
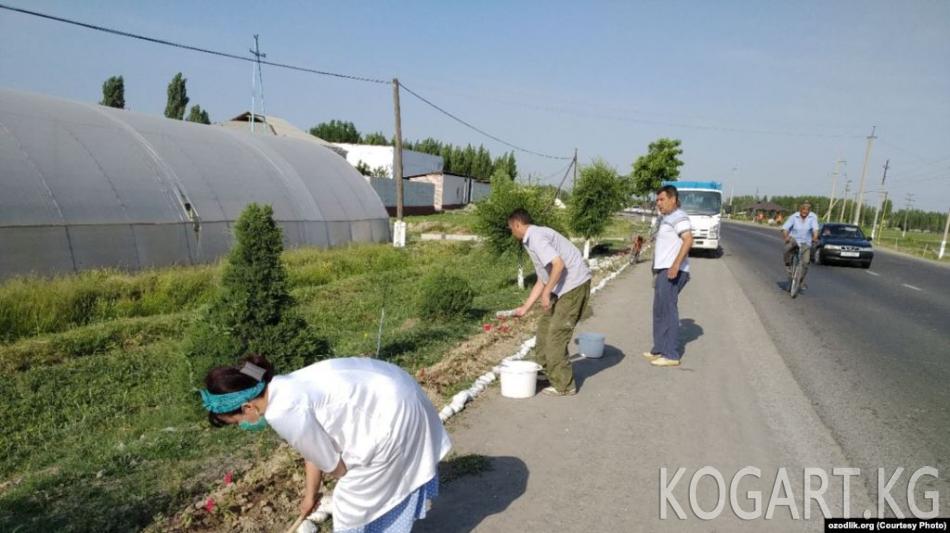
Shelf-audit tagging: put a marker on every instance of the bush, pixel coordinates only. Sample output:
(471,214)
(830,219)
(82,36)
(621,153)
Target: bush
(506,196)
(253,310)
(445,296)
(598,195)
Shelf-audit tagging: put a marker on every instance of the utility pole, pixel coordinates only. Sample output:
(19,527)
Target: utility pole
(732,191)
(884,214)
(943,243)
(844,201)
(883,195)
(864,171)
(256,75)
(575,171)
(834,184)
(399,228)
(909,201)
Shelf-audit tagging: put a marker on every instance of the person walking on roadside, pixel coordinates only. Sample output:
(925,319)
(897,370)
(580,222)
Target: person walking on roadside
(563,287)
(674,238)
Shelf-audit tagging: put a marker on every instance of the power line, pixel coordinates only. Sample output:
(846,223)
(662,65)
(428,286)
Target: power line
(476,128)
(620,116)
(258,61)
(190,47)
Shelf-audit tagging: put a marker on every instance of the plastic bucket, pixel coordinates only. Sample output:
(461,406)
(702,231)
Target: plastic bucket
(591,344)
(519,379)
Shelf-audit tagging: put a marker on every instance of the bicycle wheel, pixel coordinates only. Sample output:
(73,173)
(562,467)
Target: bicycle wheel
(796,285)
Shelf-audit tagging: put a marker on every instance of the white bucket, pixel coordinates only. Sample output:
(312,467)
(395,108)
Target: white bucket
(591,345)
(519,379)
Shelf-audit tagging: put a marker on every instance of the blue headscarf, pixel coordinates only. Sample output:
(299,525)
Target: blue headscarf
(231,401)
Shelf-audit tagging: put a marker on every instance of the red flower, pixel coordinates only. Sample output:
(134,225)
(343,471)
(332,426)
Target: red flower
(486,327)
(209,505)
(228,478)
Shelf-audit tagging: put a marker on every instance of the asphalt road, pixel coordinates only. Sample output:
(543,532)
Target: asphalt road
(870,349)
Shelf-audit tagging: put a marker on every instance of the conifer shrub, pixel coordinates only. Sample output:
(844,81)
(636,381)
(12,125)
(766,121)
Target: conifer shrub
(253,310)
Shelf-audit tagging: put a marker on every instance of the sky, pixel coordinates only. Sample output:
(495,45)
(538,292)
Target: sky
(765,96)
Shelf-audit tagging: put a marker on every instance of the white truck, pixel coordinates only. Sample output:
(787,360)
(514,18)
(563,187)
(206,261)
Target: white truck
(702,201)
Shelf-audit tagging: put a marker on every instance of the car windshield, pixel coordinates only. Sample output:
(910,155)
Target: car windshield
(701,202)
(843,232)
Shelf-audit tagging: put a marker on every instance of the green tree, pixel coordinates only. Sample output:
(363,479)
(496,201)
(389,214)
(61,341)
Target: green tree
(363,168)
(253,310)
(337,131)
(660,164)
(506,163)
(177,98)
(196,114)
(506,196)
(377,138)
(113,92)
(598,195)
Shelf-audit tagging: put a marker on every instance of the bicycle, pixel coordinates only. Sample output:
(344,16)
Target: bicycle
(798,272)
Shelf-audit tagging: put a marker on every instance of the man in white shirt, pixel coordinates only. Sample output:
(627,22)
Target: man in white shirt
(800,231)
(563,287)
(674,238)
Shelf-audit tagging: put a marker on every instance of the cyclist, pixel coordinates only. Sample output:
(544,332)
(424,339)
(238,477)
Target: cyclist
(800,230)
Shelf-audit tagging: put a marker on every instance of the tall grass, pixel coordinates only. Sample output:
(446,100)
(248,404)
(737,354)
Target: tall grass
(32,306)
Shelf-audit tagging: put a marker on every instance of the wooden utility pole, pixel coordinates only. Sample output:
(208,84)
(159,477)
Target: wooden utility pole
(397,150)
(864,170)
(574,186)
(399,228)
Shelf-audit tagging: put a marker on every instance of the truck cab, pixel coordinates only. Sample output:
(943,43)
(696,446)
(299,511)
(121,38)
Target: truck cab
(702,202)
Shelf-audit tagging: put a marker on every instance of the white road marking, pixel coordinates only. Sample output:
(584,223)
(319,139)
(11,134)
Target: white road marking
(912,287)
(871,273)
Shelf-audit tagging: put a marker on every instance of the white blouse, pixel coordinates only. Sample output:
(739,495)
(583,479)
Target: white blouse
(371,414)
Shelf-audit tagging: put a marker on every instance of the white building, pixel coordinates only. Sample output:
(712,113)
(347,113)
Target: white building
(453,191)
(375,156)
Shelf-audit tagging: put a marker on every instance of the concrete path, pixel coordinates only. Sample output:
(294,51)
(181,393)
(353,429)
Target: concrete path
(591,462)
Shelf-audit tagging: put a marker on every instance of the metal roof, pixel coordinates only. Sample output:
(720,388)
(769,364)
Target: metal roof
(83,186)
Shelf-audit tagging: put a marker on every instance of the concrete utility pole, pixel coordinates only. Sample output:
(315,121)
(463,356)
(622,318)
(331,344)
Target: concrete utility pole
(399,228)
(909,199)
(864,171)
(943,243)
(844,201)
(256,75)
(834,184)
(883,194)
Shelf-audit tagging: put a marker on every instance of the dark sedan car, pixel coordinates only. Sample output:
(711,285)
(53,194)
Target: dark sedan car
(843,243)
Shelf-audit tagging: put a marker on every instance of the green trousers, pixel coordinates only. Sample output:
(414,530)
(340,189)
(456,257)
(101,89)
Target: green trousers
(555,330)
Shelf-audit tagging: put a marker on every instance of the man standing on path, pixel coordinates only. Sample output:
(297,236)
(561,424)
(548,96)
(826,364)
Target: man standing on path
(674,238)
(564,289)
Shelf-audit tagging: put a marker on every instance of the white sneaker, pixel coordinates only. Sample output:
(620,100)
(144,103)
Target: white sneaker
(663,361)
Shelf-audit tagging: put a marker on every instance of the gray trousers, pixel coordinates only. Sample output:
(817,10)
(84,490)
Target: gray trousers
(791,248)
(666,315)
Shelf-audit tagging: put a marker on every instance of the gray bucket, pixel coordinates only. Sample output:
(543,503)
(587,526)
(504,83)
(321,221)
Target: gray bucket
(591,344)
